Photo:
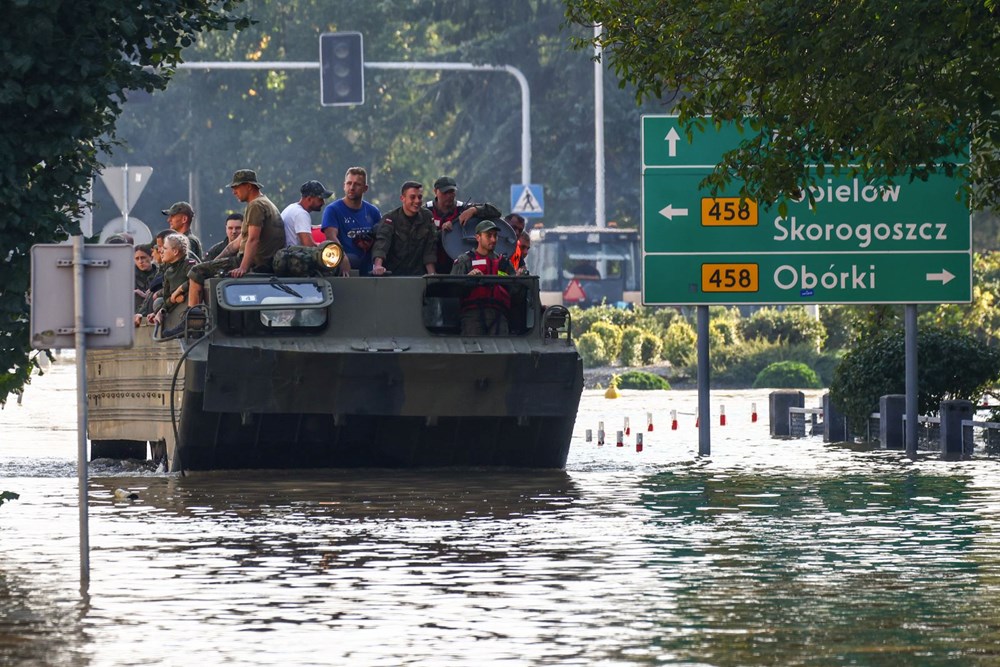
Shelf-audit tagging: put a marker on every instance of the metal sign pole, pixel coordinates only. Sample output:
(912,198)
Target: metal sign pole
(81,408)
(910,372)
(704,409)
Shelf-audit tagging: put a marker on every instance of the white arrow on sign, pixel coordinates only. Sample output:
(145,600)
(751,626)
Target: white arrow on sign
(669,212)
(945,276)
(672,138)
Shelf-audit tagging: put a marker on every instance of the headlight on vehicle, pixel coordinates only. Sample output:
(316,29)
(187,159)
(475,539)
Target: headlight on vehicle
(330,255)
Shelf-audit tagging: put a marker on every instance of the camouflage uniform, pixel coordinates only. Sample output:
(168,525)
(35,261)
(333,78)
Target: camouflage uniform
(260,212)
(174,275)
(406,245)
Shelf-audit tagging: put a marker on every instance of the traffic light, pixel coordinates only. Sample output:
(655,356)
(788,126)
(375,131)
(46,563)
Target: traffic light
(341,69)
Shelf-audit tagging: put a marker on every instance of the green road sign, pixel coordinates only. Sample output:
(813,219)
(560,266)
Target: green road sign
(850,215)
(664,143)
(749,278)
(870,242)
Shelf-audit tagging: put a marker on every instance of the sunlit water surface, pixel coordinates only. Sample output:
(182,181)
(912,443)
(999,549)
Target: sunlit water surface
(770,552)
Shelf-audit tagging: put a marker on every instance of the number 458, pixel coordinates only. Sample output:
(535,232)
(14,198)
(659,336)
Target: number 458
(729,277)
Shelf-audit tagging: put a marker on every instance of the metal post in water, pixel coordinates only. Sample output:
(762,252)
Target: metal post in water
(704,408)
(80,338)
(910,347)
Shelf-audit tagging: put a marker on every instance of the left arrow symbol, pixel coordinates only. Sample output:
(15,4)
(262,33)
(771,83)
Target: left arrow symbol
(945,276)
(669,212)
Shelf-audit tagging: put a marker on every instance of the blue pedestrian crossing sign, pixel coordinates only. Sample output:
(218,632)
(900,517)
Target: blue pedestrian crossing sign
(527,200)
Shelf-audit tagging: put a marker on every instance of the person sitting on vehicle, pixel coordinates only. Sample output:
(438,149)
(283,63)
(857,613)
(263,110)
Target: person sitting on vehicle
(298,223)
(262,235)
(520,256)
(234,222)
(445,209)
(180,217)
(144,274)
(405,240)
(175,267)
(350,221)
(486,308)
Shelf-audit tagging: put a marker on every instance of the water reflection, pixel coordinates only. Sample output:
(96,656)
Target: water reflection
(767,553)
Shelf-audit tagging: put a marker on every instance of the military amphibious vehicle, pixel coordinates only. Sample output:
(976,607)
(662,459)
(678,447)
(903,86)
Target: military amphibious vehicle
(329,371)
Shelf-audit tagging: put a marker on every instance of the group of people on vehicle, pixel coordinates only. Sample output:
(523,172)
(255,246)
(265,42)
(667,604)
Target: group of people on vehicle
(408,241)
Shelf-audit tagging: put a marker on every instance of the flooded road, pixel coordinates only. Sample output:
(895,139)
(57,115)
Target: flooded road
(767,553)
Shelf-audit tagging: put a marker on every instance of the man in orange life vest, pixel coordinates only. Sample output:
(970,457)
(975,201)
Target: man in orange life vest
(486,307)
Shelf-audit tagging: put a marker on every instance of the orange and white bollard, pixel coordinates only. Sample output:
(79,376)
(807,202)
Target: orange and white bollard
(722,415)
(649,421)
(621,441)
(753,413)
(628,429)
(638,442)
(673,420)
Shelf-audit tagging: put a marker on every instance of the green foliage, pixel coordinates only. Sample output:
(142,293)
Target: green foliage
(792,325)
(841,325)
(66,69)
(738,366)
(641,380)
(787,375)
(679,343)
(631,351)
(591,348)
(899,122)
(951,366)
(7,495)
(650,347)
(981,318)
(611,336)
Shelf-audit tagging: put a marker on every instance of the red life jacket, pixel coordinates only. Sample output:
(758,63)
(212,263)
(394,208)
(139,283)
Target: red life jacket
(487,296)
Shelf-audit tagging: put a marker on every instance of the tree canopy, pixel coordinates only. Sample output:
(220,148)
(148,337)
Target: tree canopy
(67,69)
(880,88)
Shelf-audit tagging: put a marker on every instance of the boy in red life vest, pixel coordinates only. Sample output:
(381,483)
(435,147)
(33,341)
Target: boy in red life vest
(486,307)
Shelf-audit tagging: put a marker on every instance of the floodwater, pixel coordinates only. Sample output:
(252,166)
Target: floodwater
(770,552)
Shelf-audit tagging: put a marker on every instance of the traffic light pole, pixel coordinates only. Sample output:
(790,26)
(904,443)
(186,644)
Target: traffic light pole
(462,67)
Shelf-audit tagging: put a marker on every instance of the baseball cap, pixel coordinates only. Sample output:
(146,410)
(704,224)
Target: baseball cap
(314,189)
(485,226)
(445,184)
(179,207)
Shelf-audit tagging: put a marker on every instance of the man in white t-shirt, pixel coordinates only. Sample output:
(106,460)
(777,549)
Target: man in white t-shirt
(298,222)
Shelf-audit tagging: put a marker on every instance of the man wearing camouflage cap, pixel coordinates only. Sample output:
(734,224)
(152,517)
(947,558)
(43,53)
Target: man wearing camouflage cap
(486,308)
(262,235)
(298,223)
(180,217)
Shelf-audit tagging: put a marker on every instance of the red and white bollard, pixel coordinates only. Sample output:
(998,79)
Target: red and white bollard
(600,433)
(649,421)
(590,436)
(628,429)
(621,441)
(638,442)
(722,415)
(753,413)
(697,419)
(673,420)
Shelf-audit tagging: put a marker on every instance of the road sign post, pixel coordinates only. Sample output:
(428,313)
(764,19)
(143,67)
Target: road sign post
(861,242)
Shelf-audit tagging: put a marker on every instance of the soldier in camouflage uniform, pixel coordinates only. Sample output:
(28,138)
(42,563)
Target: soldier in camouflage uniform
(405,239)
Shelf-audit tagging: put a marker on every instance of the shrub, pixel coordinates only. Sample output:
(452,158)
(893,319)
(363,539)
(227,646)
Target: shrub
(7,495)
(951,365)
(679,343)
(649,346)
(792,325)
(611,336)
(631,352)
(591,348)
(739,365)
(787,375)
(641,380)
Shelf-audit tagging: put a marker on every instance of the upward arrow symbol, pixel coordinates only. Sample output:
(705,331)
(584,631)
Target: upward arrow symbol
(672,138)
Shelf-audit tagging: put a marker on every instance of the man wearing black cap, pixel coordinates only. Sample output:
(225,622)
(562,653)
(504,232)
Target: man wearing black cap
(180,217)
(298,223)
(487,306)
(445,208)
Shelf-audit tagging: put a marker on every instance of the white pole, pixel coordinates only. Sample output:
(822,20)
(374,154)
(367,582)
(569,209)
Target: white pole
(599,213)
(81,409)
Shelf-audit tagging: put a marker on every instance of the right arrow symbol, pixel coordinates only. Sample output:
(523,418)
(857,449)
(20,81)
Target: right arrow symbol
(945,276)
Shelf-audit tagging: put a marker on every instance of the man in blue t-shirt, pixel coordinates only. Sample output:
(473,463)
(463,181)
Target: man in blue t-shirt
(351,222)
